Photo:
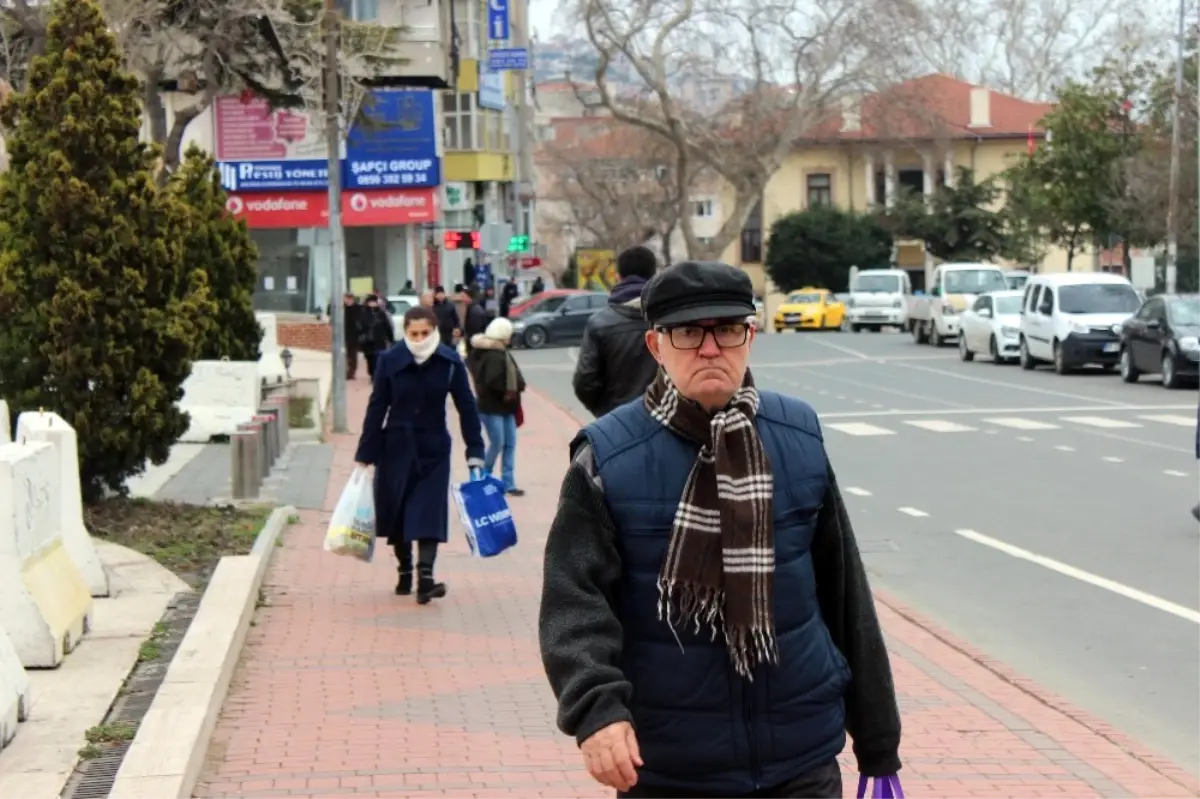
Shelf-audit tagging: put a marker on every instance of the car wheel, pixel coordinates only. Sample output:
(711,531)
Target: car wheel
(535,338)
(1061,366)
(854,328)
(1129,372)
(915,329)
(1170,378)
(994,351)
(1027,362)
(964,352)
(935,338)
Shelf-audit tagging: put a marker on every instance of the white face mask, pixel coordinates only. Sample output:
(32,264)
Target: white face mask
(424,349)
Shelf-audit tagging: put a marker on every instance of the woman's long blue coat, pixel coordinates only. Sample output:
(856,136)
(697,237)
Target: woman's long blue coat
(406,438)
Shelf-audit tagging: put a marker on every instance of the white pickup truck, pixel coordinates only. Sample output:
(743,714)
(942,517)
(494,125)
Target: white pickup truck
(934,317)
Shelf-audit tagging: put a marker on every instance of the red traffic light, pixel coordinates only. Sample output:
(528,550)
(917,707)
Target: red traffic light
(461,239)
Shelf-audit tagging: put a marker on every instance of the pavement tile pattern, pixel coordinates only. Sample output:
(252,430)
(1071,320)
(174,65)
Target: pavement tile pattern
(344,689)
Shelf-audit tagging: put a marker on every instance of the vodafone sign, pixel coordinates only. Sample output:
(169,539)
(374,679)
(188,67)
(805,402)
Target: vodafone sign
(286,210)
(381,208)
(389,207)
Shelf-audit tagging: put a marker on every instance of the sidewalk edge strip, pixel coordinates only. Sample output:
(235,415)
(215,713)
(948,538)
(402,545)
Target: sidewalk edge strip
(1167,768)
(168,752)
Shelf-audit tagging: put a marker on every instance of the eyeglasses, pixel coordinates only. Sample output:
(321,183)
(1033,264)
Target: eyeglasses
(691,337)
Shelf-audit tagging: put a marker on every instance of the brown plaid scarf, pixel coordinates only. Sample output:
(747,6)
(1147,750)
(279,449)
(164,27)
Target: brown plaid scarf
(720,563)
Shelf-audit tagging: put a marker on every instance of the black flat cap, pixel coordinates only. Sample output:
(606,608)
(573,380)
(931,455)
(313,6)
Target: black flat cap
(696,290)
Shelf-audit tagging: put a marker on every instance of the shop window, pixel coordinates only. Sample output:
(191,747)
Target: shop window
(466,20)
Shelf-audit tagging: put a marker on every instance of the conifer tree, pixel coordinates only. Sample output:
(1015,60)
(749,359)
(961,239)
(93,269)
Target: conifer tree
(219,245)
(99,316)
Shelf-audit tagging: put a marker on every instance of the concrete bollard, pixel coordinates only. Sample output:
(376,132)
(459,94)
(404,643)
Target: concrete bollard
(254,454)
(270,409)
(280,401)
(270,436)
(241,445)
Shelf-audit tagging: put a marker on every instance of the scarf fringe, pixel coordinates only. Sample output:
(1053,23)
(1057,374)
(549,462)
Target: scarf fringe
(702,606)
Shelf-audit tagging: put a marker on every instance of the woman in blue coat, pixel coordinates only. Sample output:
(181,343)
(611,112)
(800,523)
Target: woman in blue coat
(406,438)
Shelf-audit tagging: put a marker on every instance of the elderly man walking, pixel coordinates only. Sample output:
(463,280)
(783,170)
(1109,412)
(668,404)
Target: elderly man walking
(706,622)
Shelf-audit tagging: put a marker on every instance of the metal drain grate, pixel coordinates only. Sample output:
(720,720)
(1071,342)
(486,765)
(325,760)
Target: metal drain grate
(94,778)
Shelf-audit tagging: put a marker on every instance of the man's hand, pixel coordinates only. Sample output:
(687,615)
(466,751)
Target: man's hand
(611,756)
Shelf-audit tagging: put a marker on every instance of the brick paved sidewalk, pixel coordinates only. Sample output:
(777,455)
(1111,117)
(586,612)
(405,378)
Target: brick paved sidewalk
(347,690)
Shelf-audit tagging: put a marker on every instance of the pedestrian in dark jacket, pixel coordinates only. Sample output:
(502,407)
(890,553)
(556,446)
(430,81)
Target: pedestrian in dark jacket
(475,317)
(507,295)
(406,438)
(350,319)
(614,365)
(498,387)
(706,622)
(447,317)
(375,332)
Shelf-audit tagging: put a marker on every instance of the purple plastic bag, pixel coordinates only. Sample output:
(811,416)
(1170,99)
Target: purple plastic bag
(884,788)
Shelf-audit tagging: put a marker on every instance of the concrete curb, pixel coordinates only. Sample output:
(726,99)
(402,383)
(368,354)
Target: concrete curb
(1125,743)
(168,752)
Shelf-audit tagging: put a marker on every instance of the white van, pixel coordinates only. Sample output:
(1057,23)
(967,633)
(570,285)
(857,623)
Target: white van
(1074,319)
(878,298)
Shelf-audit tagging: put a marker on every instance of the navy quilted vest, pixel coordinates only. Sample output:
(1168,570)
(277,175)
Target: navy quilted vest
(700,726)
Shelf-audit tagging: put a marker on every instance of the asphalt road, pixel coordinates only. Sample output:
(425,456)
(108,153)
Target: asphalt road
(1044,519)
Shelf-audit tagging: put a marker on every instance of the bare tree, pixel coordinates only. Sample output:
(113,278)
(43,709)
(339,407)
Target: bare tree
(1027,47)
(616,188)
(783,65)
(201,49)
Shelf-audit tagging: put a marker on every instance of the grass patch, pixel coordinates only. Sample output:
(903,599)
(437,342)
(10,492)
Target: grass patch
(300,413)
(187,539)
(151,648)
(106,736)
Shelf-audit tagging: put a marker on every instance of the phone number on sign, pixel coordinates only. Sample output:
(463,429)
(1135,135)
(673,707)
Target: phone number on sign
(405,179)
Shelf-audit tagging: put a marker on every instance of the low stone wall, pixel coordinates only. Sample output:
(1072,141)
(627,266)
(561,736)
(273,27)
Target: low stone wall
(305,335)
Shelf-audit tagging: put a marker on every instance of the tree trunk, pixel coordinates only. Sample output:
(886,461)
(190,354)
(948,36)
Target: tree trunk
(173,144)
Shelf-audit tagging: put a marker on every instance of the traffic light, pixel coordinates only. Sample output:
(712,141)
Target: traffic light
(518,244)
(461,239)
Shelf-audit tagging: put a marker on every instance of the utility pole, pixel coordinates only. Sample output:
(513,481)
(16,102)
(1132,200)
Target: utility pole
(521,173)
(1173,182)
(337,247)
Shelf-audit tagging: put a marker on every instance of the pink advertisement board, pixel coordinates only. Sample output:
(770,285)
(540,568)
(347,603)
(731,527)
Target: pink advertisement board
(248,130)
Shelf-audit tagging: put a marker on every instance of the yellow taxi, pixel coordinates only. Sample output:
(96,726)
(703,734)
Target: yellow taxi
(810,309)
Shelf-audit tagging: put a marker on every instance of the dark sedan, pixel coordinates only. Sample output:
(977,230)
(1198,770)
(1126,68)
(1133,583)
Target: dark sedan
(557,320)
(1163,337)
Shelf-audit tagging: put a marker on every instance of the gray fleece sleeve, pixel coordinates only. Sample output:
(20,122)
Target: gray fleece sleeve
(578,629)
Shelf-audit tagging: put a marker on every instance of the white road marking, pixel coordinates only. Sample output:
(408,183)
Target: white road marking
(1149,600)
(1006,411)
(860,429)
(940,426)
(1004,384)
(1174,473)
(1064,448)
(1168,418)
(913,512)
(1113,459)
(840,348)
(1017,423)
(1100,421)
(858,492)
(573,354)
(1024,438)
(840,396)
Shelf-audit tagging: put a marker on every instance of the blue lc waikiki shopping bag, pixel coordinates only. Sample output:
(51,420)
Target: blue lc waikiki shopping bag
(884,788)
(485,515)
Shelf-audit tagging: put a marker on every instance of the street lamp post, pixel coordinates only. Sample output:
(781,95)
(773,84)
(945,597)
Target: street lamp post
(337,248)
(1173,180)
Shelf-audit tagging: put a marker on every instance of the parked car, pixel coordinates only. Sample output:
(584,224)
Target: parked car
(1163,337)
(878,297)
(398,305)
(545,301)
(558,320)
(1017,278)
(1074,319)
(810,309)
(992,325)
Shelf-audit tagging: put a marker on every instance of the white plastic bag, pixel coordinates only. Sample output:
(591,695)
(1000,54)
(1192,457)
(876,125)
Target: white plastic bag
(352,528)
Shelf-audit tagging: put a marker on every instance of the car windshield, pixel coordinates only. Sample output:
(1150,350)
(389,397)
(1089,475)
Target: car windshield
(1098,298)
(1016,281)
(804,298)
(1008,305)
(547,305)
(877,284)
(974,281)
(1185,311)
(397,306)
